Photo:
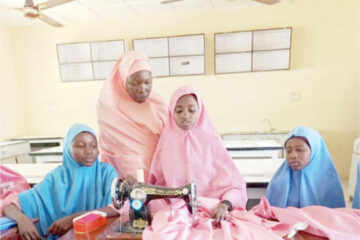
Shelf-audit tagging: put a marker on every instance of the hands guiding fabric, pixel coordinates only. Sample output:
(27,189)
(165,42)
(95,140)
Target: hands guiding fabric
(27,229)
(61,226)
(220,212)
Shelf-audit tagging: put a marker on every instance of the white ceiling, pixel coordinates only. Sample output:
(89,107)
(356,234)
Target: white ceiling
(80,11)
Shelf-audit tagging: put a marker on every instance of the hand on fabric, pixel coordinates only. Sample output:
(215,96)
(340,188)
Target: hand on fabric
(27,229)
(220,212)
(61,226)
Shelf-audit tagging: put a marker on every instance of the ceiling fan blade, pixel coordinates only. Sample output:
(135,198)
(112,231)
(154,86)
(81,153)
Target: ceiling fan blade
(49,20)
(51,3)
(170,1)
(11,8)
(269,2)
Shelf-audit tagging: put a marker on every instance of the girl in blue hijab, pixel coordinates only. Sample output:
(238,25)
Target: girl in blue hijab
(308,175)
(356,201)
(81,184)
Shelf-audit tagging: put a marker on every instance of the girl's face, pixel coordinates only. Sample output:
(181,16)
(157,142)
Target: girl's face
(186,112)
(139,85)
(298,153)
(84,149)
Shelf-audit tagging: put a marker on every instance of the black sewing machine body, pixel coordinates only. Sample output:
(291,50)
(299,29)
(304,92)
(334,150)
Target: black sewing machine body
(141,194)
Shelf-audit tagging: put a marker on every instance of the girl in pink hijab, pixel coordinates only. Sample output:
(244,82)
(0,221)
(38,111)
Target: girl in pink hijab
(131,116)
(190,149)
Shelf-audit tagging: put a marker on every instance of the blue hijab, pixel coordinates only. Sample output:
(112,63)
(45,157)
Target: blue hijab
(316,184)
(69,188)
(356,202)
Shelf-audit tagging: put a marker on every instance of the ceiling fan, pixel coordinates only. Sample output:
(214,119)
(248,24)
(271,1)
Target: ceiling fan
(269,2)
(32,11)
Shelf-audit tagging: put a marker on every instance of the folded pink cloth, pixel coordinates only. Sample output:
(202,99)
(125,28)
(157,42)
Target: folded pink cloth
(175,223)
(333,223)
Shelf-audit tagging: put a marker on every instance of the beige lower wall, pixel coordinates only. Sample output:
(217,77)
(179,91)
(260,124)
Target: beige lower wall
(324,70)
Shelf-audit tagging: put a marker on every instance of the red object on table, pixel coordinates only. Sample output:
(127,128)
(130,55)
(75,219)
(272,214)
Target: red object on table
(89,222)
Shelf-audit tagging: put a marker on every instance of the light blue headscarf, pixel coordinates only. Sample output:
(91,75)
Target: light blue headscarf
(356,202)
(316,184)
(69,188)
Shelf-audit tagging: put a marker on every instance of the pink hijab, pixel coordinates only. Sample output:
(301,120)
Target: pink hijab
(197,154)
(11,184)
(129,131)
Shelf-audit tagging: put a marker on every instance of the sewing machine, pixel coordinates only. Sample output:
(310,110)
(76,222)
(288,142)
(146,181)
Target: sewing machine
(140,194)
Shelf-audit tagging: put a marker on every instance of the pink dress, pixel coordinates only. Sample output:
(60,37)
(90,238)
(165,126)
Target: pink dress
(198,155)
(333,223)
(11,184)
(129,131)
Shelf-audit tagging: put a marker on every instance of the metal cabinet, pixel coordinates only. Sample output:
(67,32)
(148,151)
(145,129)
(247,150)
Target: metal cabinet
(11,151)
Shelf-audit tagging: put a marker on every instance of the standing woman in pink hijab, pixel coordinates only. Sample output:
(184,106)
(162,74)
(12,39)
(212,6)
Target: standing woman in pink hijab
(190,149)
(131,117)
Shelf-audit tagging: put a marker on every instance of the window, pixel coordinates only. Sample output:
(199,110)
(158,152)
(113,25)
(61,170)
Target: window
(88,61)
(249,51)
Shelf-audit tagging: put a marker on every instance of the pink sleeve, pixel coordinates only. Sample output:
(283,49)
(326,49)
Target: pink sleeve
(156,175)
(237,197)
(10,199)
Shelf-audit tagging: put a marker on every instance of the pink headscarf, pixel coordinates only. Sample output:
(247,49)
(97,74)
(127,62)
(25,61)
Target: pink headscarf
(129,131)
(11,183)
(196,154)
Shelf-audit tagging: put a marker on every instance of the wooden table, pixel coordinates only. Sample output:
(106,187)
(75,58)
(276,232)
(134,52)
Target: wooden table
(107,232)
(104,232)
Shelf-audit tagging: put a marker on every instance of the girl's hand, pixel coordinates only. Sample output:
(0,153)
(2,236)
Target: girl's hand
(61,226)
(27,229)
(220,212)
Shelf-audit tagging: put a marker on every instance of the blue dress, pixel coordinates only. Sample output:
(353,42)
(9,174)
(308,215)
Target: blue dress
(316,184)
(69,188)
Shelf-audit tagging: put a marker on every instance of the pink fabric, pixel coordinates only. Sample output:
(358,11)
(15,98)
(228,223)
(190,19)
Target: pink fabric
(11,184)
(175,222)
(333,223)
(196,154)
(129,131)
